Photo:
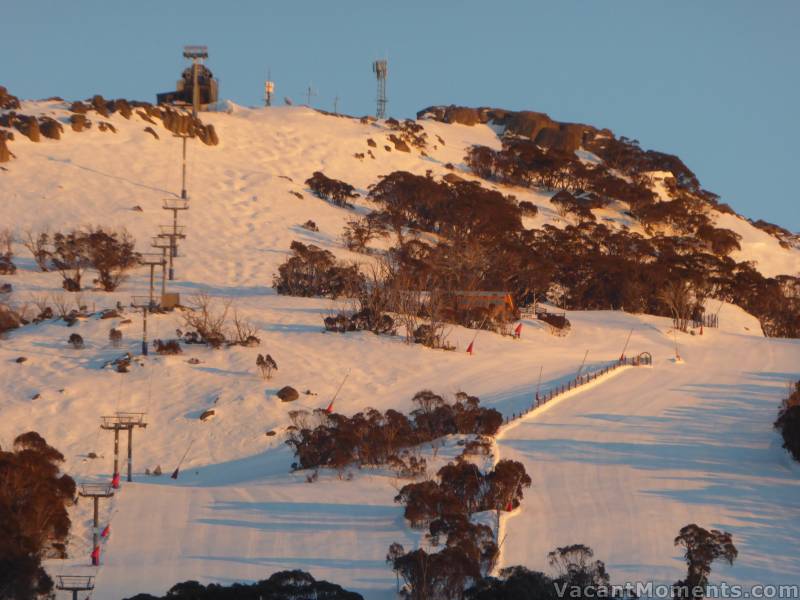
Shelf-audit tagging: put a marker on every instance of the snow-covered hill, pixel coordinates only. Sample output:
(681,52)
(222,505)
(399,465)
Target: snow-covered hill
(619,466)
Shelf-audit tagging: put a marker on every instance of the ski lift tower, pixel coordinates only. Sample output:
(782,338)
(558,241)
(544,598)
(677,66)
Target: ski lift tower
(163,244)
(381,70)
(153,260)
(75,584)
(197,54)
(95,491)
(123,421)
(146,305)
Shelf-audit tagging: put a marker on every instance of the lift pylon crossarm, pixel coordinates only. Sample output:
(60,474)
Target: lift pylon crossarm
(176,231)
(123,420)
(75,584)
(175,204)
(150,258)
(95,490)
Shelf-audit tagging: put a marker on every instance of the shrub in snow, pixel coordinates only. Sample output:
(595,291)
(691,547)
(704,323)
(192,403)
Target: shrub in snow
(266,364)
(115,337)
(312,271)
(208,320)
(333,190)
(788,422)
(170,347)
(7,267)
(359,232)
(76,341)
(9,319)
(109,252)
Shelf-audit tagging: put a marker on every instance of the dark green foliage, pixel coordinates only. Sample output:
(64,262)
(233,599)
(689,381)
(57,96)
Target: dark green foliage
(337,192)
(788,422)
(514,583)
(701,548)
(34,522)
(374,438)
(312,271)
(283,585)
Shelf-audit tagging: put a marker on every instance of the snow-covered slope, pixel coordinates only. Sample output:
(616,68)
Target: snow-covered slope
(620,466)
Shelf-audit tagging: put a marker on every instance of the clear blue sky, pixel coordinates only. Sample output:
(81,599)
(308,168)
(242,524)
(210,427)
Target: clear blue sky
(715,82)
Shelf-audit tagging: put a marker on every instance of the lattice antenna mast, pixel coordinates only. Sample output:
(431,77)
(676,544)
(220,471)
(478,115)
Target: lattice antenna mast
(197,54)
(310,91)
(269,89)
(381,70)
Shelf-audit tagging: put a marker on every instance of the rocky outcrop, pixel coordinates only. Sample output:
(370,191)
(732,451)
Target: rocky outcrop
(8,318)
(7,101)
(287,394)
(79,122)
(5,153)
(50,128)
(536,126)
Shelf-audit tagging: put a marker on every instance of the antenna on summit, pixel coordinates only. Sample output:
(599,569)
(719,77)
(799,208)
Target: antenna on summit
(310,91)
(381,70)
(269,89)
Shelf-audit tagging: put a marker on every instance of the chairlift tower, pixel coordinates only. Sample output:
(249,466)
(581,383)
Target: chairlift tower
(173,233)
(197,54)
(75,584)
(146,305)
(152,260)
(95,491)
(176,232)
(165,245)
(381,70)
(123,421)
(184,137)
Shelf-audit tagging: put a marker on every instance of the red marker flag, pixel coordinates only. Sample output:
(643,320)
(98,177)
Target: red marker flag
(106,532)
(96,556)
(115,481)
(518,331)
(329,410)
(509,507)
(469,348)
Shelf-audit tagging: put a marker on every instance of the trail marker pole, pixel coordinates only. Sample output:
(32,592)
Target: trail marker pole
(539,384)
(625,347)
(582,364)
(180,462)
(336,395)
